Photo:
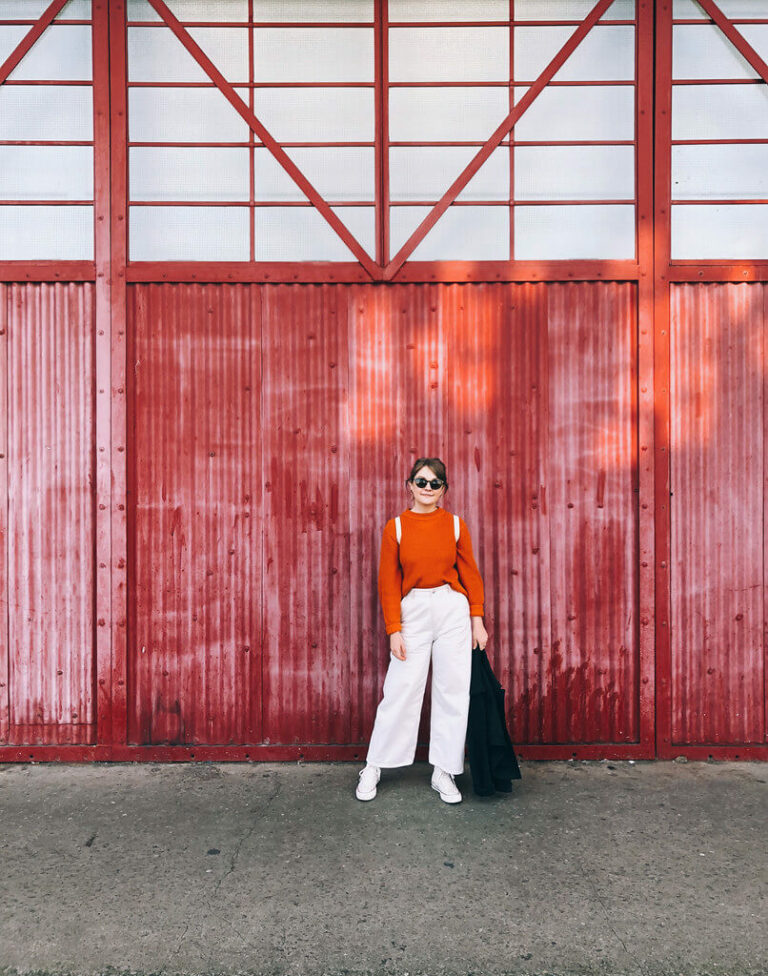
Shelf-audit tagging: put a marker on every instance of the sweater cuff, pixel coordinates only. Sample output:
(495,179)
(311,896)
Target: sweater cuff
(476,610)
(393,628)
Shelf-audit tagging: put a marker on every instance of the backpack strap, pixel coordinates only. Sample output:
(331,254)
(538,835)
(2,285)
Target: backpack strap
(456,528)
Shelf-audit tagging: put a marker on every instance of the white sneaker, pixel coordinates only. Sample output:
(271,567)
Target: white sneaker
(445,786)
(368,778)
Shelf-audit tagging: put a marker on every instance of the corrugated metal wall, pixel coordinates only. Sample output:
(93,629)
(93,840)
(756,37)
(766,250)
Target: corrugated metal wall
(269,429)
(47,514)
(718,507)
(273,428)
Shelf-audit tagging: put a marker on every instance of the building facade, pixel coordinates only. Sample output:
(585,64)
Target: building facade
(258,255)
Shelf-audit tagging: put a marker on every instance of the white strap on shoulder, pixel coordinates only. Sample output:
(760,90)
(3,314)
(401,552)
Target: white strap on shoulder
(398,529)
(456,528)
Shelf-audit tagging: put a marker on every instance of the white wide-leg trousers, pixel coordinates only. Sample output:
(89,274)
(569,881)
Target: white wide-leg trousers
(435,625)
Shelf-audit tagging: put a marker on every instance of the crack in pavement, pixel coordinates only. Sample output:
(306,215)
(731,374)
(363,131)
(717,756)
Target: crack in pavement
(604,907)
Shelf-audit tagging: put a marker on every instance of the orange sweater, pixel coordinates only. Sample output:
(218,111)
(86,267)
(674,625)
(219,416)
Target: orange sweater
(427,556)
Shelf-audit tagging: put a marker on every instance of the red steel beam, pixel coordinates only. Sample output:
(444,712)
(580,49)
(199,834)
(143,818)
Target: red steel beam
(495,140)
(30,38)
(373,269)
(738,40)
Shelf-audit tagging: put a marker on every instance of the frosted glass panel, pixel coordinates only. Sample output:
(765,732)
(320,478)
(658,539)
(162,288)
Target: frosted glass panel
(575,173)
(461,234)
(337,173)
(705,52)
(688,9)
(719,232)
(189,233)
(61,53)
(10,36)
(46,233)
(223,10)
(313,10)
(426,173)
(570,10)
(188,174)
(76,10)
(184,115)
(155,54)
(584,112)
(31,9)
(581,232)
(719,172)
(313,54)
(316,114)
(302,233)
(448,10)
(45,112)
(46,172)
(605,54)
(449,54)
(720,112)
(458,114)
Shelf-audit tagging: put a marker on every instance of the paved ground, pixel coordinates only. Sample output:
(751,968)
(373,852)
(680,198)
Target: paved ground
(607,868)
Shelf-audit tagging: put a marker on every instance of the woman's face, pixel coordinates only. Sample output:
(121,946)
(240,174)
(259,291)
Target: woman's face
(426,497)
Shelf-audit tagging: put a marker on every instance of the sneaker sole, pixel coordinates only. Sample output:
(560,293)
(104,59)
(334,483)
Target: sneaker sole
(365,796)
(444,796)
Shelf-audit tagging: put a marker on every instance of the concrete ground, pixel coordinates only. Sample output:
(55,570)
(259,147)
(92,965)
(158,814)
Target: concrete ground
(587,867)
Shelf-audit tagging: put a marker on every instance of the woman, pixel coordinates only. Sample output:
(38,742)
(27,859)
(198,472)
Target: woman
(432,596)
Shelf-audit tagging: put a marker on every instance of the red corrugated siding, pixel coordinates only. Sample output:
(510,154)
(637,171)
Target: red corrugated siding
(526,390)
(718,431)
(194,672)
(48,379)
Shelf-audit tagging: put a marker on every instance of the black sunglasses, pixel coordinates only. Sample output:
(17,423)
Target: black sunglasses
(435,483)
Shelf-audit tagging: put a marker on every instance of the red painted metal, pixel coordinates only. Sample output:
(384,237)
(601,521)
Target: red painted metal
(422,361)
(277,151)
(493,142)
(718,424)
(643,390)
(29,39)
(661,374)
(112,335)
(355,381)
(196,514)
(48,577)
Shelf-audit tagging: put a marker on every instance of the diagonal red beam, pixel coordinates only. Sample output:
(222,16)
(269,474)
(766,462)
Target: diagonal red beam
(736,38)
(373,269)
(43,21)
(509,122)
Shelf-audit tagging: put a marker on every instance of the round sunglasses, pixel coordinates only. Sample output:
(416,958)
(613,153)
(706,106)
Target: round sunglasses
(434,484)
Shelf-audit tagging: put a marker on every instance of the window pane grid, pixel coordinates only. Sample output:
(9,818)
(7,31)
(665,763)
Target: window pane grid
(46,136)
(719,136)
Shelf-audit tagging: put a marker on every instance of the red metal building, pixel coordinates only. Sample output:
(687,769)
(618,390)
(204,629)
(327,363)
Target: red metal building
(256,255)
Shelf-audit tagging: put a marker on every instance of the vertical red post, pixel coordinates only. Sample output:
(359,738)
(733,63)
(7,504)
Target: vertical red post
(103,407)
(5,703)
(381,135)
(643,439)
(662,196)
(117,348)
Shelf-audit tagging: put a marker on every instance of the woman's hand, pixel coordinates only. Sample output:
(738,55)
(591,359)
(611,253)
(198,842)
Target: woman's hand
(397,645)
(479,633)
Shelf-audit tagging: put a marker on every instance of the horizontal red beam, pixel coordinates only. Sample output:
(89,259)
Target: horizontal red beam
(338,753)
(47,271)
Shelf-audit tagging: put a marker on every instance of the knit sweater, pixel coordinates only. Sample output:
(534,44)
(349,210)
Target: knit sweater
(427,556)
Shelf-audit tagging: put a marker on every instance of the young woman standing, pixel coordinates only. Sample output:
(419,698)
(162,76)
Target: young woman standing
(432,596)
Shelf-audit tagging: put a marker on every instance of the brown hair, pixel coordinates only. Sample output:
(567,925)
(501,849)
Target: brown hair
(435,464)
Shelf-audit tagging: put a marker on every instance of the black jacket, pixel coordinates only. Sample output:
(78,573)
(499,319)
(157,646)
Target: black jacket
(492,760)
